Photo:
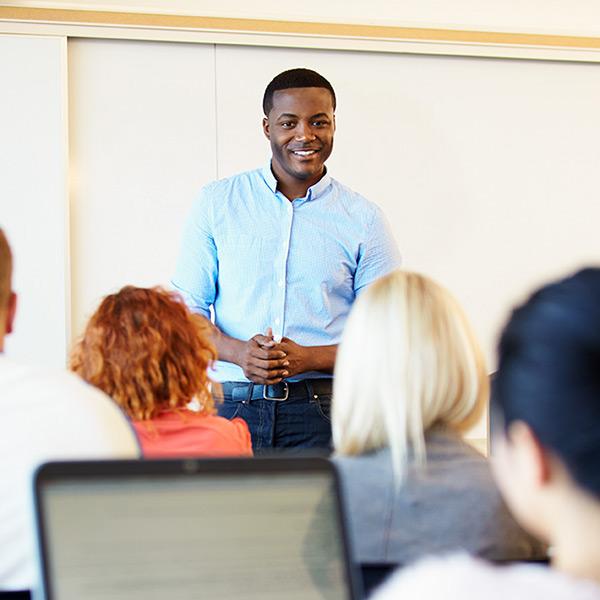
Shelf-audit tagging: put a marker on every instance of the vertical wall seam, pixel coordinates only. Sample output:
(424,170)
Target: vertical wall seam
(67,200)
(216,96)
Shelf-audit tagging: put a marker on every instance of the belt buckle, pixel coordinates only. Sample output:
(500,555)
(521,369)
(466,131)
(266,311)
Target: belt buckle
(286,387)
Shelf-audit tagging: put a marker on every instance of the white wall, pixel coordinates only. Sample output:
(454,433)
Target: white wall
(33,192)
(486,168)
(143,141)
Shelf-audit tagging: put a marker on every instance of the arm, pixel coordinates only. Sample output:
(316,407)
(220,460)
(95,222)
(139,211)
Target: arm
(307,358)
(378,254)
(197,267)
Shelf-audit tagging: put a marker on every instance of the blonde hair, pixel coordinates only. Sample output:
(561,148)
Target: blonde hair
(408,360)
(5,271)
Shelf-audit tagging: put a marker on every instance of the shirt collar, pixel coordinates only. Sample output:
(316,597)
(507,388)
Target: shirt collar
(313,192)
(269,178)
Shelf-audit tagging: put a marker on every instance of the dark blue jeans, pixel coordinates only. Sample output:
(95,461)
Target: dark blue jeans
(300,422)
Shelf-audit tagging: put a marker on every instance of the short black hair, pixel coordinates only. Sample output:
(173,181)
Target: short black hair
(295,78)
(549,372)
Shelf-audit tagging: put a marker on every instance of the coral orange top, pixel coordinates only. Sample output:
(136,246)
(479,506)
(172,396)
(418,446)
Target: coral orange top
(186,433)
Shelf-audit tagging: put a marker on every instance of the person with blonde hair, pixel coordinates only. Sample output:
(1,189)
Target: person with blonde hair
(150,354)
(546,457)
(410,379)
(46,415)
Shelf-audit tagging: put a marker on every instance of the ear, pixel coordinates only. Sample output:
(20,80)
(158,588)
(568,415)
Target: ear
(11,312)
(334,124)
(531,455)
(266,130)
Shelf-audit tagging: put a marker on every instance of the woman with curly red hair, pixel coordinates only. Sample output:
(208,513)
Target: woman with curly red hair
(150,354)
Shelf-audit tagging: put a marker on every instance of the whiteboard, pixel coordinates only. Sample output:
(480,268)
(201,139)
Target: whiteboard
(34,194)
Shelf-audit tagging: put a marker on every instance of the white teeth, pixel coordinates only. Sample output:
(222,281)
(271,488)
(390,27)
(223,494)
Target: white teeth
(304,152)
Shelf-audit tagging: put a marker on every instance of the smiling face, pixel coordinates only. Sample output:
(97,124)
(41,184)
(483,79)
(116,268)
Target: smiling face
(300,127)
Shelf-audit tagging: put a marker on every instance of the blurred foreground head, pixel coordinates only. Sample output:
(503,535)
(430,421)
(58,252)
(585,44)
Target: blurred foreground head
(547,397)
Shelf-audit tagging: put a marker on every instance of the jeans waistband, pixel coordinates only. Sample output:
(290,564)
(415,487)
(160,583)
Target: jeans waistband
(242,391)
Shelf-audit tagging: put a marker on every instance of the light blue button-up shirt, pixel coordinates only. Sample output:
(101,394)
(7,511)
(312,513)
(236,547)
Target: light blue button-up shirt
(262,261)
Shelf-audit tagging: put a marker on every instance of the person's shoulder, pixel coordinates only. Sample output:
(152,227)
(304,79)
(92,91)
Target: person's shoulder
(220,188)
(368,481)
(21,378)
(447,454)
(72,417)
(221,196)
(348,194)
(443,443)
(354,201)
(228,436)
(238,429)
(463,577)
(378,462)
(55,389)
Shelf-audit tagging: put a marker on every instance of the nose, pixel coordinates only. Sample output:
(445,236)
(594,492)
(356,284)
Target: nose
(304,131)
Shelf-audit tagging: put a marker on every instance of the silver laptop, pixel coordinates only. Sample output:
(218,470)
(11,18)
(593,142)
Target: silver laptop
(235,529)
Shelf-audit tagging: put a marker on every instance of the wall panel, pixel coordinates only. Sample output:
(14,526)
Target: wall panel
(33,192)
(142,143)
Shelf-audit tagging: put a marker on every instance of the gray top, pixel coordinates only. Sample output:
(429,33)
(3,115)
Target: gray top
(452,504)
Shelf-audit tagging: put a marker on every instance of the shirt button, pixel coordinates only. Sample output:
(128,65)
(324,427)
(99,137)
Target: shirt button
(277,321)
(280,284)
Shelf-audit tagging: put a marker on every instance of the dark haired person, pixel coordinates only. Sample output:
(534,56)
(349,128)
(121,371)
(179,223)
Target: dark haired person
(547,457)
(279,254)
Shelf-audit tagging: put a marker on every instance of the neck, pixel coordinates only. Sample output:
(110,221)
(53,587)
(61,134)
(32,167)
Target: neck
(576,537)
(291,187)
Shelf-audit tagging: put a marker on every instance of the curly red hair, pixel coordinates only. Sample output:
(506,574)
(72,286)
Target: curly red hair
(146,350)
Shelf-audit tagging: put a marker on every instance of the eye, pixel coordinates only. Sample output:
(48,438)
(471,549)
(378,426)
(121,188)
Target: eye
(320,123)
(288,125)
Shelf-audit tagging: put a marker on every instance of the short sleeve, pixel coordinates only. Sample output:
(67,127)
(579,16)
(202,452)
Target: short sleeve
(379,254)
(196,270)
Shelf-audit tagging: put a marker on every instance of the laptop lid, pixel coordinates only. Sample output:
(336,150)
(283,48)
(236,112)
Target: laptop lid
(235,529)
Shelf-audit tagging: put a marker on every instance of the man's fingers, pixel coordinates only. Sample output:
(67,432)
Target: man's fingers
(270,365)
(264,341)
(262,381)
(258,375)
(257,351)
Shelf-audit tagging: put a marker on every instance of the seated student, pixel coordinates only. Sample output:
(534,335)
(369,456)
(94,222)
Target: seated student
(546,458)
(409,379)
(147,351)
(46,415)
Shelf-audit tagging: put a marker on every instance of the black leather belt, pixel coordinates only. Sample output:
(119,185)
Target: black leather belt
(285,390)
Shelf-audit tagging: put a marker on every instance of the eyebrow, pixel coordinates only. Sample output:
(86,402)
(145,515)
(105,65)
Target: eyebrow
(293,116)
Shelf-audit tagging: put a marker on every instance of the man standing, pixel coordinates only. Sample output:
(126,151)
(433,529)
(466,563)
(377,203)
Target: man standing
(280,254)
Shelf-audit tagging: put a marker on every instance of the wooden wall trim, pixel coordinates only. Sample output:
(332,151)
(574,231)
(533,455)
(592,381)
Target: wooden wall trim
(129,25)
